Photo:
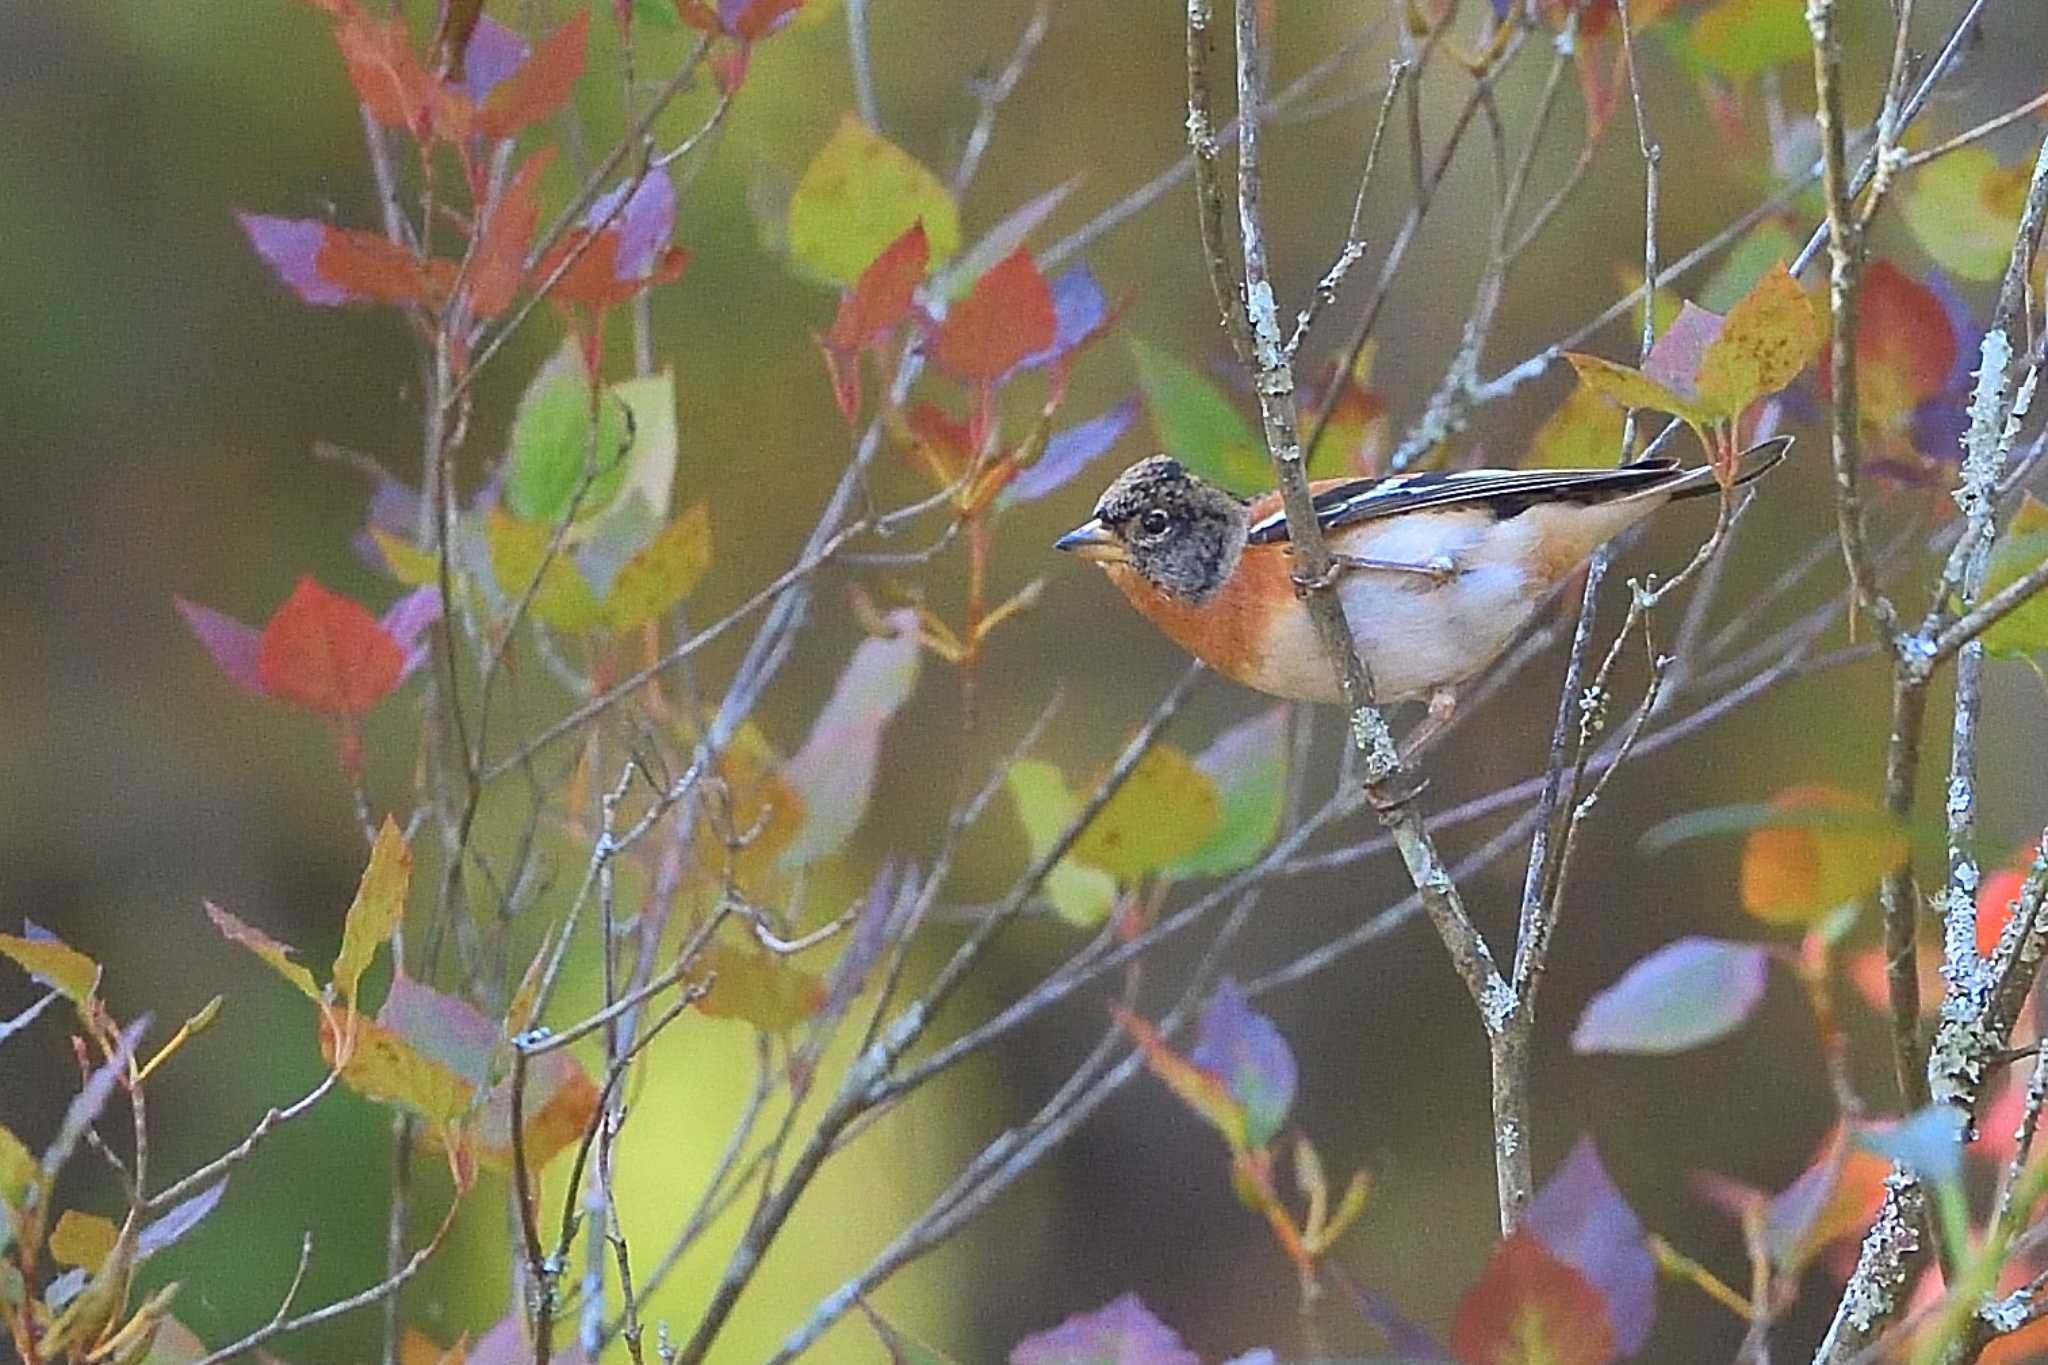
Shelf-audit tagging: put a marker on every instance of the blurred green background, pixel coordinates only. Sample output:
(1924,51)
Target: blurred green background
(162,395)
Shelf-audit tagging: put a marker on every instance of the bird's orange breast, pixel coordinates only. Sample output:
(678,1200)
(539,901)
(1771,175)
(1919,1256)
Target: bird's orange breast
(1229,632)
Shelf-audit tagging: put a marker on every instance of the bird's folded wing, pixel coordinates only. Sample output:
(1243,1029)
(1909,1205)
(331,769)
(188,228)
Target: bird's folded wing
(1504,492)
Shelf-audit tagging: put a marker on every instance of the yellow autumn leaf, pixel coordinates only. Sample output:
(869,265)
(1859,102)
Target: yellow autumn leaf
(1164,811)
(82,1239)
(64,967)
(378,907)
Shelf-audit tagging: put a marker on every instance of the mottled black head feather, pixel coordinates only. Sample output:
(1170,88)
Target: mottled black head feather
(1181,534)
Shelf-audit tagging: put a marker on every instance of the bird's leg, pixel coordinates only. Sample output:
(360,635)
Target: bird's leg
(1439,571)
(1443,704)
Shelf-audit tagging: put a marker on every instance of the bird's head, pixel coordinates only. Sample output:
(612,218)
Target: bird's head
(1178,532)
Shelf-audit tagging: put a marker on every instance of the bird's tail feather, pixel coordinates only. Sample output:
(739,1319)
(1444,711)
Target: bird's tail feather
(1750,465)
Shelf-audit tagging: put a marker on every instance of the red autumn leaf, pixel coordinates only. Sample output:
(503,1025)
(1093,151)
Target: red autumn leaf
(541,85)
(1006,317)
(1998,896)
(327,653)
(1905,344)
(594,278)
(747,20)
(759,18)
(882,296)
(944,443)
(371,266)
(388,75)
(878,301)
(1530,1308)
(500,260)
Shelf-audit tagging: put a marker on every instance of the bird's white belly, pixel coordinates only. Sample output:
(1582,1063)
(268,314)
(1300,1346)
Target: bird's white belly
(1415,634)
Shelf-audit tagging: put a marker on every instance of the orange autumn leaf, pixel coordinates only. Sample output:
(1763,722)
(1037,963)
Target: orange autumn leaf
(499,263)
(1833,848)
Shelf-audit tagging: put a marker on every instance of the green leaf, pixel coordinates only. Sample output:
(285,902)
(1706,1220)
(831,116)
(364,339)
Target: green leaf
(1248,764)
(1748,262)
(1769,336)
(1165,810)
(2025,543)
(1197,424)
(1080,895)
(1963,208)
(555,441)
(650,469)
(1742,38)
(860,193)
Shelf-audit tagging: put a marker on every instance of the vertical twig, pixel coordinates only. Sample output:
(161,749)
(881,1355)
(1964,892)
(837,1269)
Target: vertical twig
(1273,378)
(863,64)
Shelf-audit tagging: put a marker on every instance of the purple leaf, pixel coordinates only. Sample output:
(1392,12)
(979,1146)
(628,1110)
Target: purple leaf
(1078,309)
(291,246)
(233,645)
(1929,1141)
(1938,427)
(880,922)
(166,1230)
(644,225)
(451,1031)
(84,1109)
(10,1027)
(1684,994)
(1403,1338)
(1674,360)
(407,618)
(1120,1333)
(1243,1047)
(505,1343)
(1071,451)
(494,53)
(1581,1218)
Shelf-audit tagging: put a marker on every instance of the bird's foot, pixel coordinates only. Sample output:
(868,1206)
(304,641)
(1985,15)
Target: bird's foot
(1438,570)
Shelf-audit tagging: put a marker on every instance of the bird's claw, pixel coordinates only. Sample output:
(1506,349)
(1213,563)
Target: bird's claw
(1386,800)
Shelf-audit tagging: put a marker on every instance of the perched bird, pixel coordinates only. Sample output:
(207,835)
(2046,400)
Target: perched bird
(1437,571)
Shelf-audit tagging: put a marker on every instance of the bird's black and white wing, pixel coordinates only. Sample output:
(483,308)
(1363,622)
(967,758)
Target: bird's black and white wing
(1503,492)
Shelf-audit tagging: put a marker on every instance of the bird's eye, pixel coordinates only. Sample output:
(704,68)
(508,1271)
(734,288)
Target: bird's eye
(1154,522)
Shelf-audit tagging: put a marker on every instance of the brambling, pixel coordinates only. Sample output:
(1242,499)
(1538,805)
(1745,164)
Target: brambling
(1437,571)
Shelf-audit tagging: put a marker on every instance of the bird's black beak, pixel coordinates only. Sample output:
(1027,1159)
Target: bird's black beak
(1093,540)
